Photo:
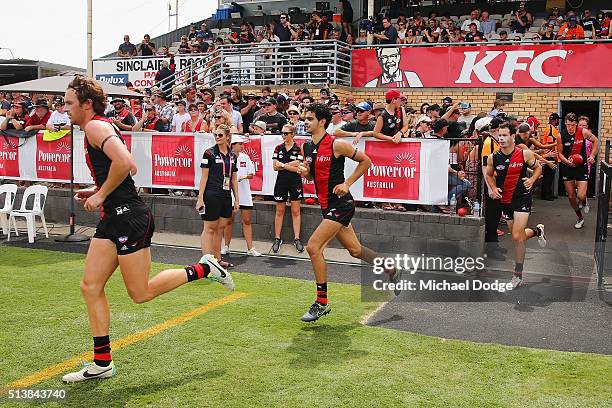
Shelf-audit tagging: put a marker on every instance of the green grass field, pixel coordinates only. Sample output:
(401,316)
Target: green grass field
(255,352)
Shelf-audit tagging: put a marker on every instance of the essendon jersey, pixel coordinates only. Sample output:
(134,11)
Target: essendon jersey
(509,173)
(573,144)
(99,166)
(326,169)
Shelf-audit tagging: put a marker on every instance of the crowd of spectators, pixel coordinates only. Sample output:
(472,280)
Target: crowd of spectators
(479,26)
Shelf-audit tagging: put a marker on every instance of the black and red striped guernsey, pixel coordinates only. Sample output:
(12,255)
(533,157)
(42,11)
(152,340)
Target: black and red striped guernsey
(510,170)
(99,166)
(326,169)
(573,144)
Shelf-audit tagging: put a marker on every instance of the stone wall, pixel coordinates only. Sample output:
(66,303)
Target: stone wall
(385,231)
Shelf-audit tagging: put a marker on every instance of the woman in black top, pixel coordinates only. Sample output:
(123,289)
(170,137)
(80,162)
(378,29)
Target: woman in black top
(347,16)
(215,199)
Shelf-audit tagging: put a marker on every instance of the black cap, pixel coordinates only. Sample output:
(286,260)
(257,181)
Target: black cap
(42,103)
(524,128)
(554,116)
(434,107)
(181,102)
(440,124)
(447,101)
(495,122)
(271,101)
(252,96)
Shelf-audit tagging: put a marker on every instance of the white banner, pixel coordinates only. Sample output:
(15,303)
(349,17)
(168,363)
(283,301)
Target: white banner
(141,71)
(414,171)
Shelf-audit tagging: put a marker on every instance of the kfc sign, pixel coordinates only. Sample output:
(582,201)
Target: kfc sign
(526,66)
(52,159)
(9,157)
(172,160)
(395,170)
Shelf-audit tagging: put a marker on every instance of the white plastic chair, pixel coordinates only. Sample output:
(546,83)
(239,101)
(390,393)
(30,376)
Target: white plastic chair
(9,191)
(38,208)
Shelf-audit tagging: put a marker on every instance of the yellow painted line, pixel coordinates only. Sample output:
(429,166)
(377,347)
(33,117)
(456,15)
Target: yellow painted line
(126,341)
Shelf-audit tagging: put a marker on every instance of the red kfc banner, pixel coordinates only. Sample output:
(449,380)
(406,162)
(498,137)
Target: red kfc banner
(172,160)
(395,170)
(52,158)
(252,148)
(308,186)
(525,66)
(9,157)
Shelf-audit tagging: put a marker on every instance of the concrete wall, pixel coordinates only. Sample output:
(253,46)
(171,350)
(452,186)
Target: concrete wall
(385,231)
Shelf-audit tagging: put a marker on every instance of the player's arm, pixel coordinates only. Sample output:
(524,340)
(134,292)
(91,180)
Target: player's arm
(494,191)
(533,164)
(560,154)
(102,136)
(304,168)
(342,148)
(595,149)
(203,181)
(377,130)
(539,145)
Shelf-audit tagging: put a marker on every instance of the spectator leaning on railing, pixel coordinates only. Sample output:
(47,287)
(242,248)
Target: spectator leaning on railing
(146,47)
(571,30)
(16,117)
(59,119)
(164,109)
(38,120)
(127,49)
(121,116)
(150,121)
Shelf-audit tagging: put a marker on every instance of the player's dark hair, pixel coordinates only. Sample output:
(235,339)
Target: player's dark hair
(571,117)
(88,89)
(321,111)
(505,125)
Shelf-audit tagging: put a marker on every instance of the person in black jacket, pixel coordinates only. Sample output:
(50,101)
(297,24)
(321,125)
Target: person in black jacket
(165,85)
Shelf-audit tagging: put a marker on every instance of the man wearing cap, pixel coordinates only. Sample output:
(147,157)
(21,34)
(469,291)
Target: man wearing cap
(5,105)
(258,127)
(38,120)
(150,121)
(59,119)
(571,30)
(16,117)
(181,116)
(465,113)
(392,76)
(274,121)
(423,128)
(377,109)
(121,116)
(336,121)
(293,113)
(357,128)
(433,111)
(164,109)
(205,33)
(248,110)
(392,124)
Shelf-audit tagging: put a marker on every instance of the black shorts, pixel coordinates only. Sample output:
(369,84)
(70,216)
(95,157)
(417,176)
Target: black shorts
(245,207)
(129,227)
(518,204)
(216,207)
(580,173)
(340,212)
(288,187)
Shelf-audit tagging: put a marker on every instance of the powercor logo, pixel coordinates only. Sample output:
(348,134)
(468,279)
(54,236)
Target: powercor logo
(404,166)
(182,158)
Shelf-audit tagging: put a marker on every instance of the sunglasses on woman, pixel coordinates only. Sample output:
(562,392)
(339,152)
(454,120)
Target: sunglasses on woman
(287,133)
(193,110)
(292,113)
(219,134)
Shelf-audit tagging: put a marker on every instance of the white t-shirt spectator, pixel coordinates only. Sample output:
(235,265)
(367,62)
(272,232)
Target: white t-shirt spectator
(245,167)
(57,117)
(331,129)
(236,118)
(178,120)
(466,119)
(465,27)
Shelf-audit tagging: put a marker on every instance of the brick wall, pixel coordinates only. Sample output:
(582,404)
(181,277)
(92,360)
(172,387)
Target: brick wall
(538,102)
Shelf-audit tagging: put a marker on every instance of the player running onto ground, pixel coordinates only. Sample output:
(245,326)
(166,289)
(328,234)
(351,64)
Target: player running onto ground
(575,176)
(510,191)
(123,235)
(324,163)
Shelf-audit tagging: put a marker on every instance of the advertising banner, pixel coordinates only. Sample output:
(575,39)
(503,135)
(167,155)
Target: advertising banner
(522,66)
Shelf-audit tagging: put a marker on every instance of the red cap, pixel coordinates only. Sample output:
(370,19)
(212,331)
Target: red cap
(392,94)
(533,122)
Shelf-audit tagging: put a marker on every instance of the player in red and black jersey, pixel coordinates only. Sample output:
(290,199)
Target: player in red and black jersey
(510,191)
(123,235)
(324,158)
(576,176)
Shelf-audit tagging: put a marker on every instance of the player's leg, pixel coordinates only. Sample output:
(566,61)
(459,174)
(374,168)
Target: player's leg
(208,238)
(297,222)
(224,223)
(319,239)
(581,195)
(278,222)
(570,189)
(247,230)
(100,263)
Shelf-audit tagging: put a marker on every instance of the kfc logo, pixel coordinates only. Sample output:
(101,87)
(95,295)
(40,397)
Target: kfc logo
(393,174)
(521,60)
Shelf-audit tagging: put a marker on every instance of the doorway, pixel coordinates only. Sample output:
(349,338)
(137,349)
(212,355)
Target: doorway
(591,109)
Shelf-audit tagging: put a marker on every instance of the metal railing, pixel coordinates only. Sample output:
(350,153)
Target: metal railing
(524,41)
(603,250)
